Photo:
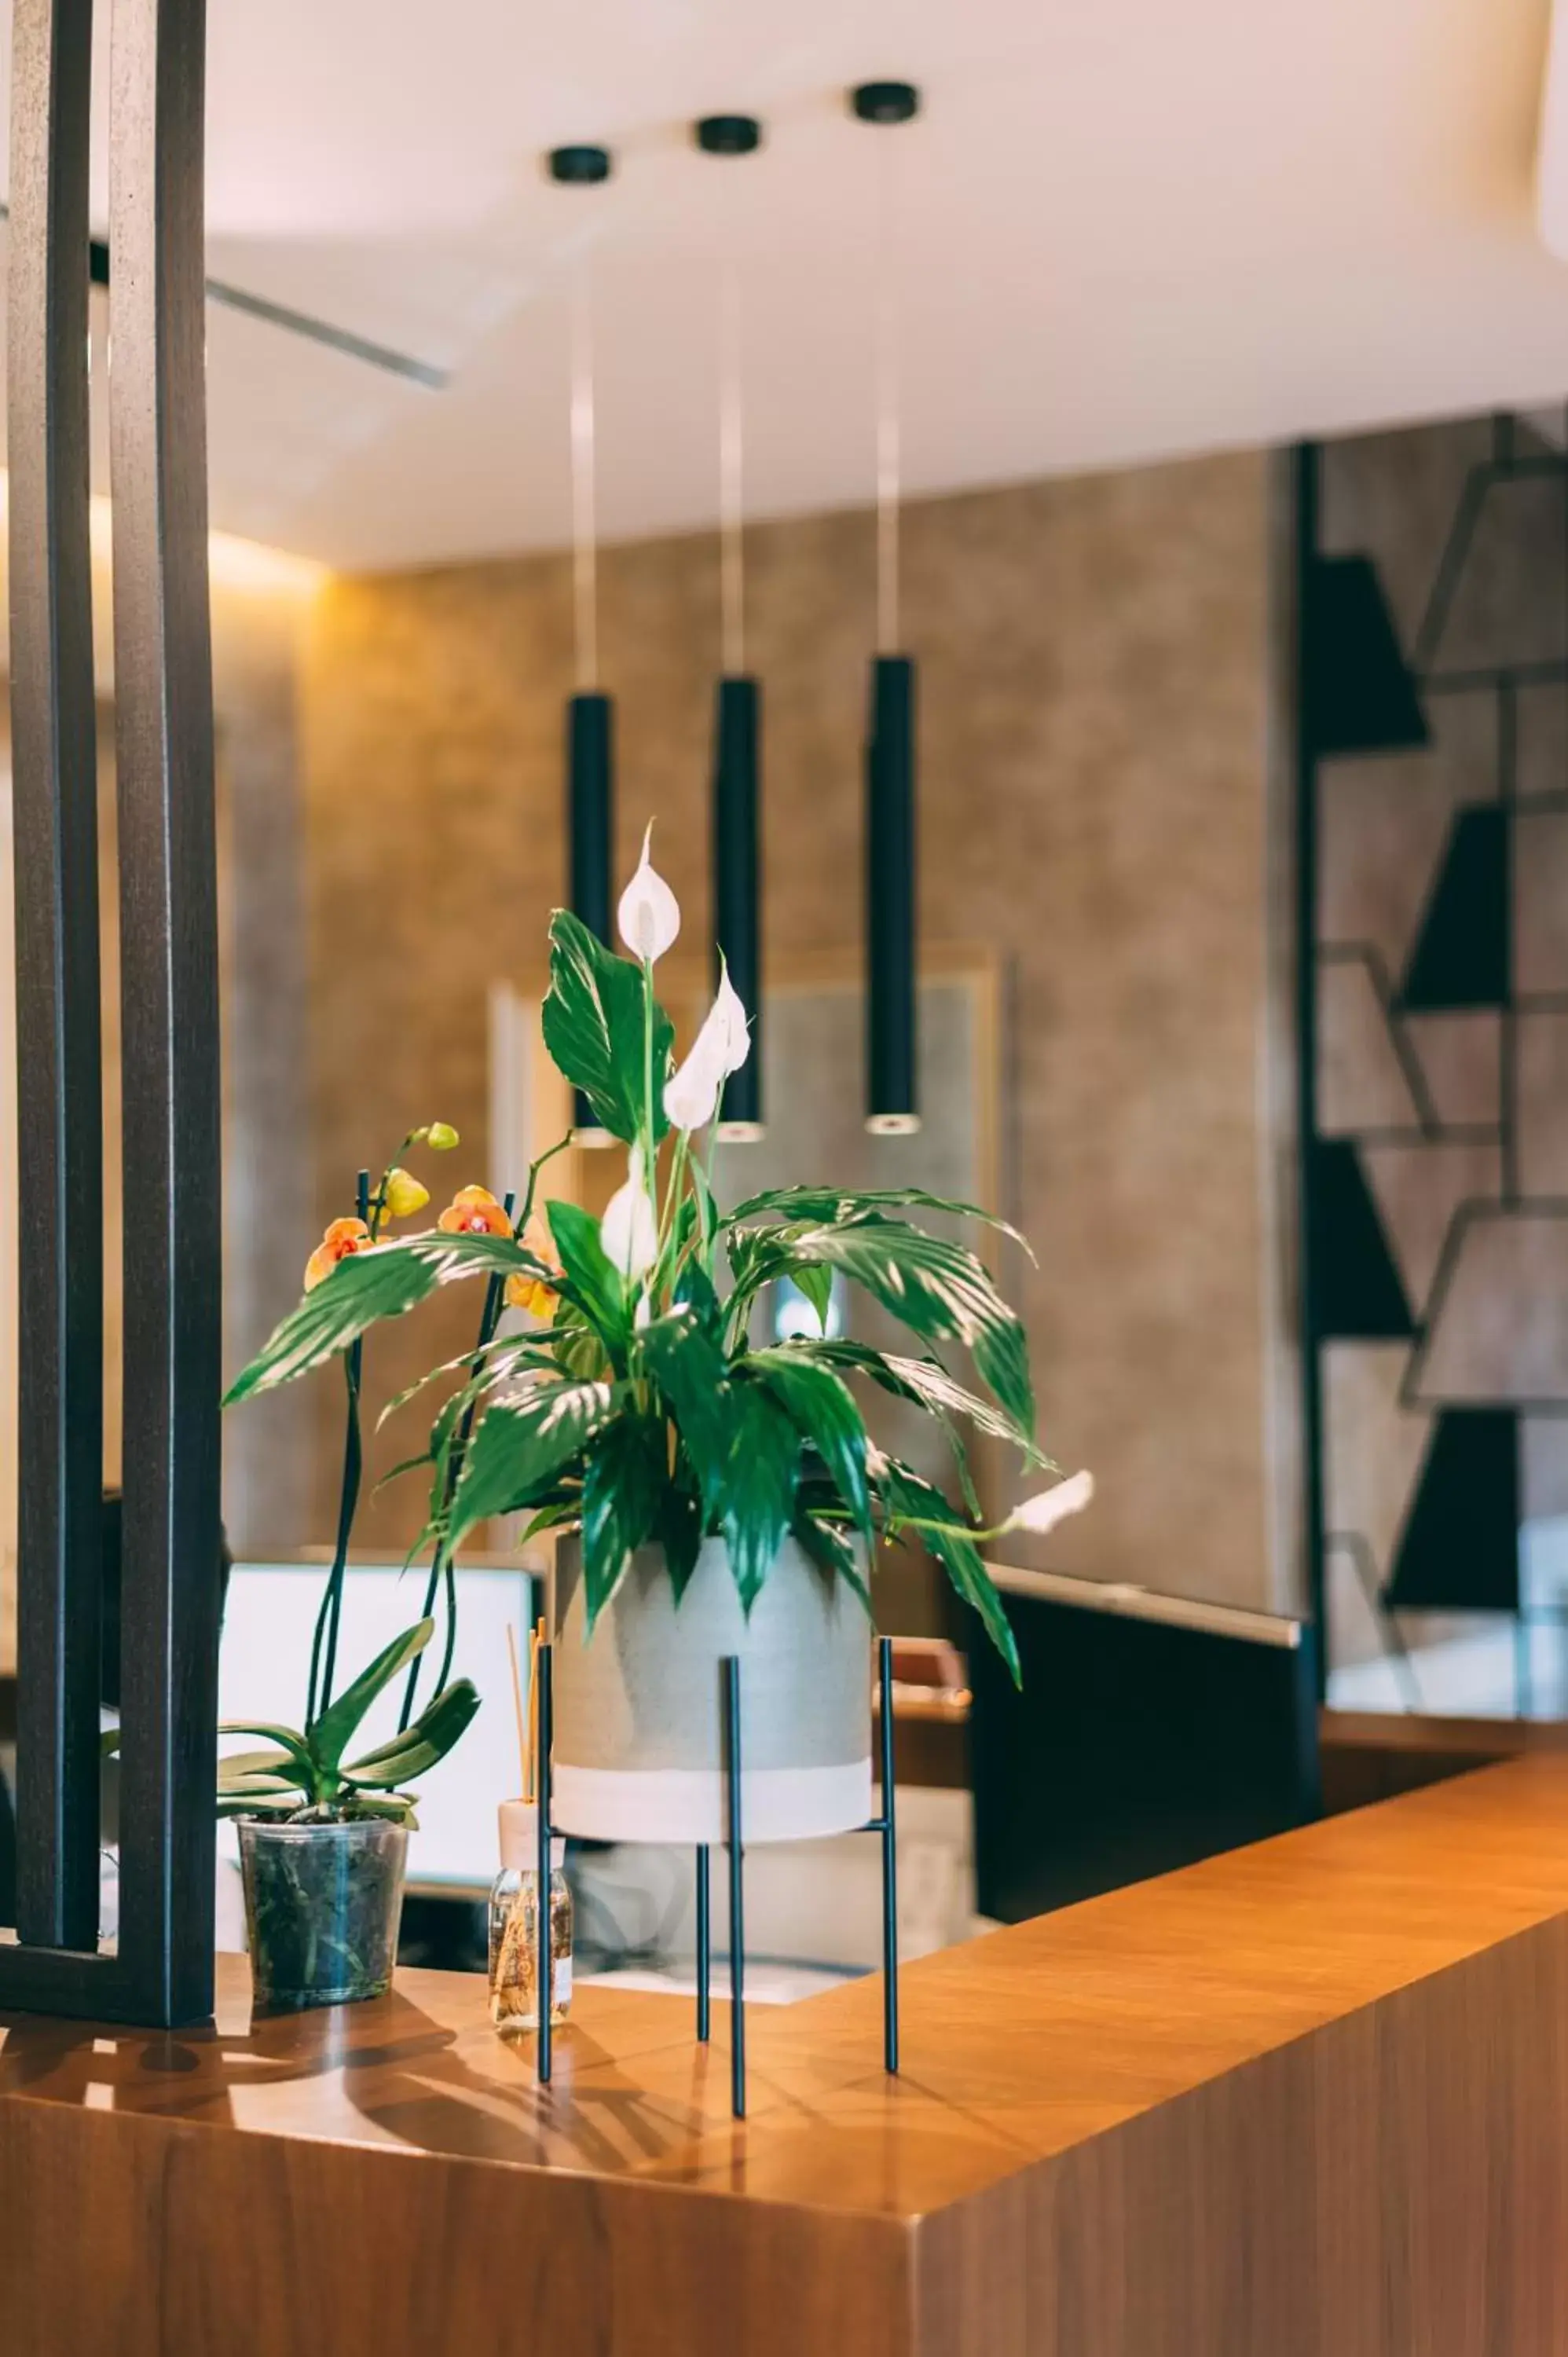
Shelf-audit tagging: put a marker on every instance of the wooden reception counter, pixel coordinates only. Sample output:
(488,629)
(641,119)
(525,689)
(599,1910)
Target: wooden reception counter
(1310,2100)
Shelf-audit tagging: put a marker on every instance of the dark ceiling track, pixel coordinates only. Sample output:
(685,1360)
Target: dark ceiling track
(293,323)
(892,947)
(161,1973)
(736,821)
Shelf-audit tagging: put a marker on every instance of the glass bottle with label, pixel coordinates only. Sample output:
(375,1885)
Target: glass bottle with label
(514,1925)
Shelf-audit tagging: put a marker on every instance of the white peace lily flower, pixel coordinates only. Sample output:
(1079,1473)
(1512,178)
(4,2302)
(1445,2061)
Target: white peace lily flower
(628,1231)
(720,1047)
(1042,1513)
(649,914)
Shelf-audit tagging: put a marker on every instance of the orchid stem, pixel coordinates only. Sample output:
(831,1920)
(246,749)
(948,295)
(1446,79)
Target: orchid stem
(443,1567)
(328,1621)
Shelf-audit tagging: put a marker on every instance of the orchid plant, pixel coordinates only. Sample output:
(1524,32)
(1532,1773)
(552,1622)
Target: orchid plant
(634,1406)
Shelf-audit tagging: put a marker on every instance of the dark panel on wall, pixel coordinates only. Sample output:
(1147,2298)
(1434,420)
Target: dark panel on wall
(1357,1287)
(1459,1548)
(1461,955)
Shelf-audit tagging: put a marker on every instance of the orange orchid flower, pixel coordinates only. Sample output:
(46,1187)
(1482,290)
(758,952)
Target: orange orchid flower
(342,1237)
(531,1293)
(474,1211)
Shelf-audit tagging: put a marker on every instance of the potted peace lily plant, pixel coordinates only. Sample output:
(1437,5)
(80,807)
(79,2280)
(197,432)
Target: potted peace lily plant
(712,1494)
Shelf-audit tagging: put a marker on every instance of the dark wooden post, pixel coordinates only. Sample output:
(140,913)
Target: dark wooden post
(162,1972)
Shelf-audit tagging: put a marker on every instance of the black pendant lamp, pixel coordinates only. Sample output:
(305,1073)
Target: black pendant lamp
(737,712)
(892,961)
(590,714)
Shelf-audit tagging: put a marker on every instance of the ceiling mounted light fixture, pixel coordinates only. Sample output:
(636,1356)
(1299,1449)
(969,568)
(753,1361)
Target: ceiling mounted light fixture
(738,715)
(590,714)
(892,1102)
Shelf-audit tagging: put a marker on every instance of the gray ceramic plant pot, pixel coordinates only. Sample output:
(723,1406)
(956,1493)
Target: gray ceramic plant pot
(638,1748)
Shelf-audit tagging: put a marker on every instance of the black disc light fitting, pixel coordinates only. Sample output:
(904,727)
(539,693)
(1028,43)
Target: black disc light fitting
(727,134)
(737,710)
(885,101)
(579,167)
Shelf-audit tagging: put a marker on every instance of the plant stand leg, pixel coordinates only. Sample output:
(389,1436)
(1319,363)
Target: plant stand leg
(888,1827)
(704,1943)
(737,1893)
(544,1967)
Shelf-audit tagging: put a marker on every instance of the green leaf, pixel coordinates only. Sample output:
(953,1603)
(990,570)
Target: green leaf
(838,1205)
(821,1407)
(593,1023)
(938,1289)
(691,1373)
(678,1531)
(833,1552)
(287,1738)
(928,1382)
(623,1491)
(759,1491)
(330,1736)
(422,1745)
(368,1286)
(235,1767)
(363,1288)
(595,1281)
(522,1444)
(909,1498)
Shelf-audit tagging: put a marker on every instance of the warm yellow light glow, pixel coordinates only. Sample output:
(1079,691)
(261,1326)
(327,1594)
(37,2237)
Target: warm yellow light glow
(893,1125)
(232,562)
(741,1132)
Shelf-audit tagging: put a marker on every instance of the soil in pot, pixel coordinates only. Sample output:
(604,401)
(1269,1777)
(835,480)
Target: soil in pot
(323,1904)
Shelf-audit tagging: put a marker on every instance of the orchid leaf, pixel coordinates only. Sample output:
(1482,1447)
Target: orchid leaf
(330,1736)
(421,1746)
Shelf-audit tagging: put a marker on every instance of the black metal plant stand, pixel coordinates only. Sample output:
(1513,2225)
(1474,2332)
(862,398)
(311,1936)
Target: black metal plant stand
(885,1825)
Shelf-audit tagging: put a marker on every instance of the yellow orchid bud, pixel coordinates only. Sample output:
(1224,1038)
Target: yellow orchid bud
(442,1136)
(404,1194)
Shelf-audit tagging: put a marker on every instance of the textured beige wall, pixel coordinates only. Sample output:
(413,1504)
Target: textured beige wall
(1094,691)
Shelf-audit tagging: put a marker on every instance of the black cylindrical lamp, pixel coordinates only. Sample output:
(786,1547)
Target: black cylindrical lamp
(892,1102)
(590,828)
(737,907)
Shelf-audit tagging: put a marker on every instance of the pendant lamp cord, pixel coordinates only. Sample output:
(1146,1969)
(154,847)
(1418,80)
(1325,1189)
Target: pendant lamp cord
(889,448)
(732,573)
(584,530)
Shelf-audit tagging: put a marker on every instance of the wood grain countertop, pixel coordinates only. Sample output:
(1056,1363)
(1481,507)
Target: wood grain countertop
(1309,2097)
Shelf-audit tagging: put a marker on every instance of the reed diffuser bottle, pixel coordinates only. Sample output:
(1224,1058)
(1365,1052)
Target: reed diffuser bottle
(514,1925)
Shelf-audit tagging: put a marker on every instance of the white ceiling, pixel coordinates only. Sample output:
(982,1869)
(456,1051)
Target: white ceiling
(1128,228)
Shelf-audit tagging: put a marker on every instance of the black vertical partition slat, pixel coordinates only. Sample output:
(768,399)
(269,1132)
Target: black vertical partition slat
(162,1971)
(59,1085)
(163,677)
